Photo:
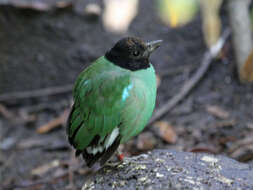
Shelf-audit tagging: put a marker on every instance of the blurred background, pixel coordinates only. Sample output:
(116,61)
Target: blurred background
(204,79)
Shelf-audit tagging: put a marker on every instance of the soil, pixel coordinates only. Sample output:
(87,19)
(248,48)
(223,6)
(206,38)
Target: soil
(22,149)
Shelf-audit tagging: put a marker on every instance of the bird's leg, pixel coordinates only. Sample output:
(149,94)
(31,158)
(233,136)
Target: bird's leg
(120,155)
(121,159)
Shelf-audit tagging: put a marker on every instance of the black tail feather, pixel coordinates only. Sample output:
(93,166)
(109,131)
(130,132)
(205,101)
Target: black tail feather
(91,159)
(109,152)
(69,119)
(78,152)
(72,137)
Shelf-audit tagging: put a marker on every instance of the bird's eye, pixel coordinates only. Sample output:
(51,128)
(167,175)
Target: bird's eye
(136,53)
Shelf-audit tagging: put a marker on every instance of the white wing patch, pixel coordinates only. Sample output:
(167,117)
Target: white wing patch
(111,138)
(107,143)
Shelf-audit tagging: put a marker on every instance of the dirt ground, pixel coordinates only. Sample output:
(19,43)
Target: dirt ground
(215,117)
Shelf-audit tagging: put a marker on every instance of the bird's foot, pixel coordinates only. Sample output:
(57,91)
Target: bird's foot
(118,163)
(113,164)
(121,157)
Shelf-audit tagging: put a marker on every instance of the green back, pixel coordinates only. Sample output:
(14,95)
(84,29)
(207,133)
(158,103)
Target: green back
(107,96)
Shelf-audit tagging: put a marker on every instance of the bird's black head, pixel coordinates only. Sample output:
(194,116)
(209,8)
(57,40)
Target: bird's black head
(132,53)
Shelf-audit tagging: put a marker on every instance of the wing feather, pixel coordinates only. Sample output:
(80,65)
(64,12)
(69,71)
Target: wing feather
(97,103)
(107,97)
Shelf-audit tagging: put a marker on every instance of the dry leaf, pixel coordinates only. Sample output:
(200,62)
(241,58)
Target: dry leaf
(217,111)
(93,9)
(39,171)
(146,141)
(246,71)
(166,131)
(119,14)
(63,4)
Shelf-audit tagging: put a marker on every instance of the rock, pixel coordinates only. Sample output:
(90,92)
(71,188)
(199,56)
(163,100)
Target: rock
(166,169)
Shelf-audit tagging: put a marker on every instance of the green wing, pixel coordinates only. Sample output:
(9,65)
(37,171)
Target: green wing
(98,101)
(109,98)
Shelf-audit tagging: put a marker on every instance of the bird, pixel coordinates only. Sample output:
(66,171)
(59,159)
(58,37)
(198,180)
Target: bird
(114,99)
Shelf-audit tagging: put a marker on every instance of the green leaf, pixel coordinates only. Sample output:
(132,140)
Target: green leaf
(177,12)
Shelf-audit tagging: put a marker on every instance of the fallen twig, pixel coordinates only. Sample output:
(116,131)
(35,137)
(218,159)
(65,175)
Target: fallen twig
(190,84)
(47,106)
(6,113)
(36,93)
(53,123)
(15,118)
(177,70)
(43,169)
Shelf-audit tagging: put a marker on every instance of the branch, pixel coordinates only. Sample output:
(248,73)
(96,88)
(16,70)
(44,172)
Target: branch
(36,93)
(190,84)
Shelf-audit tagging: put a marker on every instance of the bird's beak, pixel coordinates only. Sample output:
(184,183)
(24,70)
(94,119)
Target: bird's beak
(151,46)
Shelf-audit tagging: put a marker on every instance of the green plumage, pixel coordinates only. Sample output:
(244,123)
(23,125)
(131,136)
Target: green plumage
(107,96)
(113,100)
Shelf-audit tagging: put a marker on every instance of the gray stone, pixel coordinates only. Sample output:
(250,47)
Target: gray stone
(166,169)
